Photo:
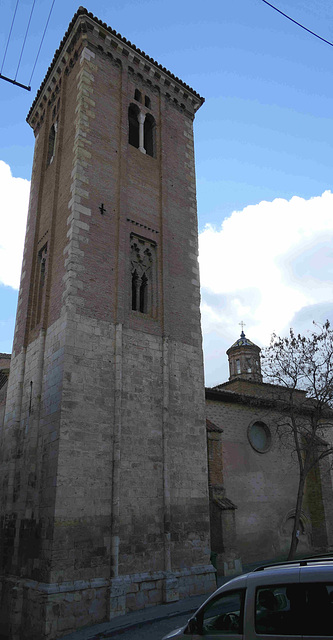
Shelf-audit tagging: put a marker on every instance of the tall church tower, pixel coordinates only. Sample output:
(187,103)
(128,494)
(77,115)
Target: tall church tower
(103,469)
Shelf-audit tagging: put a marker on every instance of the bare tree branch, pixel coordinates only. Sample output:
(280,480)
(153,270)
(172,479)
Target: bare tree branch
(300,370)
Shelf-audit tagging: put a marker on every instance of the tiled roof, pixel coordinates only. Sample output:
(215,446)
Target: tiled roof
(4,368)
(225,504)
(243,341)
(83,11)
(213,427)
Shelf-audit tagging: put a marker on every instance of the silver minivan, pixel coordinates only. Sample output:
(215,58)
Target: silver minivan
(290,600)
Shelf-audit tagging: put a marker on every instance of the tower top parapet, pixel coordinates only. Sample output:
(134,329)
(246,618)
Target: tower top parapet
(112,44)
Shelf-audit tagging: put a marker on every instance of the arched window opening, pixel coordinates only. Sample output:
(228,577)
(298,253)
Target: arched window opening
(143,294)
(134,290)
(133,125)
(137,95)
(39,291)
(52,141)
(149,135)
(143,275)
(147,102)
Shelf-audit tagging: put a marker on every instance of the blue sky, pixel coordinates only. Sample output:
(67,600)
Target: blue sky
(263,142)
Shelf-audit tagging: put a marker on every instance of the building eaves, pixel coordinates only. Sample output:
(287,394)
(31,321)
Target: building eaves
(263,385)
(307,407)
(239,398)
(225,504)
(82,11)
(210,426)
(4,373)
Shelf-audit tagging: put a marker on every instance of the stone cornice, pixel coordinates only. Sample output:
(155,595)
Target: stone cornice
(111,42)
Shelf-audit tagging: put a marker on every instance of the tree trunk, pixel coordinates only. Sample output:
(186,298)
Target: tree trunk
(296,528)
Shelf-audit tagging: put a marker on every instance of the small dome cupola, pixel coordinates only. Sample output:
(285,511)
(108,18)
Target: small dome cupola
(244,359)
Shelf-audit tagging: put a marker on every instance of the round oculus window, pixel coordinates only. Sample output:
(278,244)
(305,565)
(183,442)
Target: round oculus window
(259,436)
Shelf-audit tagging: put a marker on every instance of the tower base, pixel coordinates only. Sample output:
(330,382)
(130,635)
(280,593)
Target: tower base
(31,609)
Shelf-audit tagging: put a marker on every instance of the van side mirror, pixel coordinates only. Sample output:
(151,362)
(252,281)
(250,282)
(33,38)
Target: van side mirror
(193,626)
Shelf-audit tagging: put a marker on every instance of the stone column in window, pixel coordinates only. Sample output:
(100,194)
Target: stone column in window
(141,118)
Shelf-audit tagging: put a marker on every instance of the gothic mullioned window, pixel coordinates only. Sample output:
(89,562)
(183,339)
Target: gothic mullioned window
(141,130)
(143,275)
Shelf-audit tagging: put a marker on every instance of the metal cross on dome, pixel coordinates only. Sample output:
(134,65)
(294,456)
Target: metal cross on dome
(242,324)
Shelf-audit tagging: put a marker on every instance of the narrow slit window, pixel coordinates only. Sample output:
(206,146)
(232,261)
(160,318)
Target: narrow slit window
(52,141)
(39,294)
(133,125)
(143,293)
(137,95)
(149,135)
(134,290)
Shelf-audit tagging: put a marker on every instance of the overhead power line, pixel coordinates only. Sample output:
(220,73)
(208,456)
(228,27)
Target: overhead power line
(13,81)
(42,40)
(10,33)
(25,38)
(298,24)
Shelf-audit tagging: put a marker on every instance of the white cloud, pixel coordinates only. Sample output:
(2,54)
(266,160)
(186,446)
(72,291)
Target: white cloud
(270,265)
(264,265)
(14,209)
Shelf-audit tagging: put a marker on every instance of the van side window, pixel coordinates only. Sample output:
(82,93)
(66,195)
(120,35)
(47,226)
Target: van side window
(295,609)
(319,609)
(224,614)
(279,609)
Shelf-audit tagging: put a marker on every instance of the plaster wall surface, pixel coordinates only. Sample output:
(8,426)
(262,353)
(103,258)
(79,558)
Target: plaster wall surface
(263,486)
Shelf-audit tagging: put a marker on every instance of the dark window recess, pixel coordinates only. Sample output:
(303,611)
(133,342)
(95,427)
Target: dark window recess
(147,102)
(294,609)
(143,294)
(133,125)
(52,141)
(137,95)
(134,289)
(139,293)
(149,135)
(39,294)
(143,275)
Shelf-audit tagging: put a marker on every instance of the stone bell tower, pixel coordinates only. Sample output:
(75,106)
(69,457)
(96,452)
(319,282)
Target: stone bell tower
(104,505)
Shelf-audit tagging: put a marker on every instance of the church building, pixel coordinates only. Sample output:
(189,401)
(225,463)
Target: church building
(253,478)
(119,486)
(104,503)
